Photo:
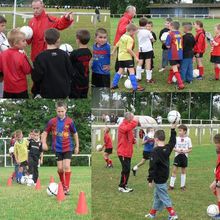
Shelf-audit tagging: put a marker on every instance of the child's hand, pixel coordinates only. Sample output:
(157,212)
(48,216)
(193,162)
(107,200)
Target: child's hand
(45,147)
(106,67)
(173,126)
(137,60)
(151,185)
(69,16)
(41,162)
(76,151)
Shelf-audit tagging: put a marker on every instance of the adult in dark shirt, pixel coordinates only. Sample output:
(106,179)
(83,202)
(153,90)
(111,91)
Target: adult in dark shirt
(97,13)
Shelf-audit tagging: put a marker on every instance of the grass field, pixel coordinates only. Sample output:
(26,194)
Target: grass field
(22,202)
(161,78)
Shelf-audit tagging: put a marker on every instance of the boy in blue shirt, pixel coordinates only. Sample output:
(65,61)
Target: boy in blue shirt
(101,59)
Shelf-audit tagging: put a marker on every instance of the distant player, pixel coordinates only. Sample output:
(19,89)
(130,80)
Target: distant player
(148,142)
(63,132)
(182,149)
(108,147)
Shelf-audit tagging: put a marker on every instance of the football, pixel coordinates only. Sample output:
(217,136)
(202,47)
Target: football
(173,117)
(27,31)
(195,73)
(174,79)
(99,147)
(128,84)
(212,210)
(164,36)
(52,189)
(66,47)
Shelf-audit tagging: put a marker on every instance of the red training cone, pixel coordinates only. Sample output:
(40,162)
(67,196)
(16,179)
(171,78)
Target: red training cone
(51,179)
(60,193)
(38,186)
(9,182)
(82,206)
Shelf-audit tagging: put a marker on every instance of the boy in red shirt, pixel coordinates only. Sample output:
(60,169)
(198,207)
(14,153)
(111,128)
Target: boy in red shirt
(199,48)
(108,147)
(15,66)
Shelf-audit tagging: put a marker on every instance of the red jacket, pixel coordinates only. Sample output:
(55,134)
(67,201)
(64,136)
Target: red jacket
(15,66)
(39,25)
(126,138)
(215,50)
(122,24)
(108,141)
(200,45)
(217,169)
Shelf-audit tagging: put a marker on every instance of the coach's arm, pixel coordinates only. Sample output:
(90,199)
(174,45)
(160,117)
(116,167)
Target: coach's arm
(44,140)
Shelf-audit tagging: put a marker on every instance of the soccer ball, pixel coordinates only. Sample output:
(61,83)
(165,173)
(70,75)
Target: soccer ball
(27,31)
(174,79)
(4,46)
(99,147)
(52,189)
(212,210)
(128,84)
(24,180)
(195,73)
(11,150)
(30,182)
(164,36)
(66,48)
(173,117)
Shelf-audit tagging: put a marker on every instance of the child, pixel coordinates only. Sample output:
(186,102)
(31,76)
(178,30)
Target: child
(159,173)
(145,39)
(182,149)
(215,185)
(35,153)
(175,53)
(21,154)
(62,128)
(186,67)
(80,59)
(15,66)
(125,57)
(148,142)
(52,69)
(108,147)
(199,48)
(164,48)
(12,155)
(101,60)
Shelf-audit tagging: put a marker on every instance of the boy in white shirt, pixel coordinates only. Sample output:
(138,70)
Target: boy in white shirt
(182,149)
(145,48)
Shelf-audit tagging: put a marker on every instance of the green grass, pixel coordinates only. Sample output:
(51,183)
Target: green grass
(23,202)
(108,203)
(161,78)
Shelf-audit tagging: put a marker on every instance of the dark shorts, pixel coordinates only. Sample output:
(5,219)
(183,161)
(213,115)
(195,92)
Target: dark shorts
(126,64)
(64,155)
(174,62)
(200,55)
(21,95)
(24,163)
(108,151)
(146,155)
(215,59)
(100,80)
(181,160)
(146,55)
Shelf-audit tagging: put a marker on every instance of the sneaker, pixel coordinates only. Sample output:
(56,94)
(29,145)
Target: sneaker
(150,216)
(161,70)
(174,217)
(67,192)
(123,189)
(110,166)
(140,89)
(189,82)
(171,188)
(134,171)
(181,87)
(129,189)
(183,188)
(216,217)
(199,78)
(150,81)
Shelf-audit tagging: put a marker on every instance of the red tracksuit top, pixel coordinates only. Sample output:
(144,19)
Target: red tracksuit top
(215,50)
(39,25)
(15,66)
(108,141)
(126,138)
(200,45)
(217,169)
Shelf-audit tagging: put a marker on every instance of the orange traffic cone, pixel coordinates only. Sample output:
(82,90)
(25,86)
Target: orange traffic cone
(82,206)
(51,179)
(60,193)
(38,186)
(9,182)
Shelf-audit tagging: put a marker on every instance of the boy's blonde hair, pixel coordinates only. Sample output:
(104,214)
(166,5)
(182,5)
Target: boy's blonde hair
(14,36)
(131,27)
(18,132)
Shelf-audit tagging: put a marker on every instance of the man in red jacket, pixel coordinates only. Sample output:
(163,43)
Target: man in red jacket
(40,23)
(126,141)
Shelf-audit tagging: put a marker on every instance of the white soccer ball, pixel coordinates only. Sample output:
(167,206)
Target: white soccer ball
(11,150)
(173,117)
(128,84)
(24,180)
(195,73)
(27,31)
(4,46)
(164,36)
(99,147)
(30,182)
(212,210)
(66,47)
(174,79)
(52,189)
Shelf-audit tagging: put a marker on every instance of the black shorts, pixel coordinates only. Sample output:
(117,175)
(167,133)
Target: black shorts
(146,155)
(64,155)
(126,64)
(24,163)
(108,151)
(100,80)
(146,55)
(200,55)
(174,62)
(215,59)
(21,95)
(181,160)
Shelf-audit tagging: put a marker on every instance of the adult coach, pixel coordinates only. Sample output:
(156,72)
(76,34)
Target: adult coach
(126,143)
(63,132)
(126,19)
(41,22)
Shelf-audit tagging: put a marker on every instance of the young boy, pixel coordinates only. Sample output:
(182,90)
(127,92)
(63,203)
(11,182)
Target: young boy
(186,67)
(125,58)
(182,149)
(175,53)
(101,59)
(199,48)
(52,69)
(14,66)
(215,185)
(145,49)
(159,173)
(108,147)
(80,59)
(35,153)
(21,154)
(148,142)
(63,132)
(164,48)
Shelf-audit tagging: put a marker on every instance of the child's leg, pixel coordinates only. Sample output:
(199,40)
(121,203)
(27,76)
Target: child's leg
(139,69)
(183,69)
(173,177)
(60,171)
(217,71)
(117,77)
(67,172)
(148,69)
(200,66)
(183,177)
(106,158)
(35,171)
(170,77)
(157,204)
(133,78)
(213,187)
(218,195)
(189,73)
(142,162)
(178,77)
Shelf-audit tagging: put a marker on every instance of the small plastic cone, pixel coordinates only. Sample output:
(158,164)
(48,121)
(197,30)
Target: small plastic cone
(38,186)
(82,206)
(51,179)
(60,193)
(9,182)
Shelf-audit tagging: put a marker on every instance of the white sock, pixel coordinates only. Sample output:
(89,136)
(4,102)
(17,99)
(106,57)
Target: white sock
(147,74)
(138,72)
(183,180)
(172,181)
(135,167)
(150,74)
